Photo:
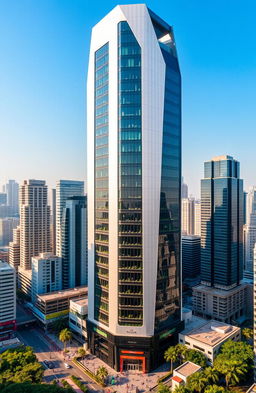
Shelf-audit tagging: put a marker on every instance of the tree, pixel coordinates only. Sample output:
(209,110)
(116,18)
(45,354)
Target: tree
(214,389)
(247,334)
(102,373)
(33,388)
(196,357)
(233,370)
(181,351)
(163,388)
(60,324)
(197,382)
(81,352)
(181,389)
(211,374)
(237,350)
(65,336)
(171,355)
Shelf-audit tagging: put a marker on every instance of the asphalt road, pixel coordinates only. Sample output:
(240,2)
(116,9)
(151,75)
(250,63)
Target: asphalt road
(44,351)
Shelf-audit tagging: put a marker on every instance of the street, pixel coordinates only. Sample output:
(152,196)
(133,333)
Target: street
(35,338)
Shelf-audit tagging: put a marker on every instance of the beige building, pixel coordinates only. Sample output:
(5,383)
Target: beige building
(34,221)
(78,312)
(14,249)
(187,216)
(208,338)
(232,306)
(6,229)
(181,373)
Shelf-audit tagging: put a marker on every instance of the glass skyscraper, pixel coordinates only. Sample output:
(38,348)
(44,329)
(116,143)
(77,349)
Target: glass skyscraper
(134,181)
(222,223)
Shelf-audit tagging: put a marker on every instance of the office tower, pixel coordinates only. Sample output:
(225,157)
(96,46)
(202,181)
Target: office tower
(46,274)
(250,232)
(6,229)
(191,256)
(184,189)
(34,226)
(74,242)
(14,249)
(3,198)
(8,301)
(221,240)
(197,223)
(12,190)
(134,183)
(187,216)
(64,190)
(53,221)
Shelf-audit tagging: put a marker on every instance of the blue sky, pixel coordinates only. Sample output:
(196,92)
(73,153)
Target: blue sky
(44,48)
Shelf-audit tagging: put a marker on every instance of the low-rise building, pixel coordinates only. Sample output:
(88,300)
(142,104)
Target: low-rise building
(7,301)
(252,389)
(181,373)
(52,306)
(78,312)
(209,337)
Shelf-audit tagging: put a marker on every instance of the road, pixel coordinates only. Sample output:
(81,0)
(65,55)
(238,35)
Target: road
(35,338)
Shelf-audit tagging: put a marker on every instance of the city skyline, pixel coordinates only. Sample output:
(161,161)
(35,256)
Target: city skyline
(49,44)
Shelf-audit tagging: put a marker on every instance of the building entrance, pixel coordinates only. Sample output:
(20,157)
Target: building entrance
(132,363)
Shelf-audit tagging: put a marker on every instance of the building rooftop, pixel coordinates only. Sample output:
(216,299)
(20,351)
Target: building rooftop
(81,302)
(220,292)
(187,368)
(5,266)
(221,158)
(177,379)
(252,388)
(79,291)
(211,333)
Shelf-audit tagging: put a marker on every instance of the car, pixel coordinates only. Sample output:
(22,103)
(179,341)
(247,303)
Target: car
(67,365)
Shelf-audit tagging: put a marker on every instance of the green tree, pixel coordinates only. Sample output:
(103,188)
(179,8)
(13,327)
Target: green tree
(81,352)
(196,357)
(211,374)
(214,389)
(233,370)
(182,389)
(65,336)
(33,388)
(60,324)
(171,355)
(237,350)
(163,388)
(102,373)
(197,382)
(247,333)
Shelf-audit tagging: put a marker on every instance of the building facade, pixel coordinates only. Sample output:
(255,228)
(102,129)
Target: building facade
(14,249)
(7,225)
(78,313)
(8,301)
(74,242)
(34,227)
(64,190)
(191,256)
(12,191)
(134,183)
(250,232)
(187,216)
(46,274)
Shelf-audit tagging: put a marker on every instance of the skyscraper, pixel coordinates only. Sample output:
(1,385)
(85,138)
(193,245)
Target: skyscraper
(134,182)
(184,189)
(34,225)
(222,223)
(74,242)
(197,224)
(250,231)
(221,294)
(191,256)
(12,190)
(187,216)
(64,190)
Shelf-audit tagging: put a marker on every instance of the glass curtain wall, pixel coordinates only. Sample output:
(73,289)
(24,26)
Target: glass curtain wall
(101,185)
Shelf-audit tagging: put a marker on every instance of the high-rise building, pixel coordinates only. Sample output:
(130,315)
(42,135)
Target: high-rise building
(254,310)
(8,301)
(14,249)
(184,189)
(221,239)
(6,229)
(3,198)
(134,188)
(191,256)
(46,274)
(64,190)
(53,221)
(187,216)
(250,231)
(12,190)
(74,242)
(34,225)
(197,223)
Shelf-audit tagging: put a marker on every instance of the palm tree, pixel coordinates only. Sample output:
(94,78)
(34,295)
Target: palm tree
(181,389)
(102,373)
(247,333)
(197,381)
(211,374)
(171,356)
(163,388)
(81,352)
(233,371)
(65,336)
(214,389)
(181,351)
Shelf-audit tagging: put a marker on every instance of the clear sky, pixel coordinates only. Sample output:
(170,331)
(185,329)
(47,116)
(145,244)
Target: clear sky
(44,48)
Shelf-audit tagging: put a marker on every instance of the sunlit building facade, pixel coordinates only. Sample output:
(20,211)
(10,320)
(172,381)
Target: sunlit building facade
(134,182)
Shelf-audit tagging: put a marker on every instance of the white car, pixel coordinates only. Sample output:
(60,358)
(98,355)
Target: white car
(67,365)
